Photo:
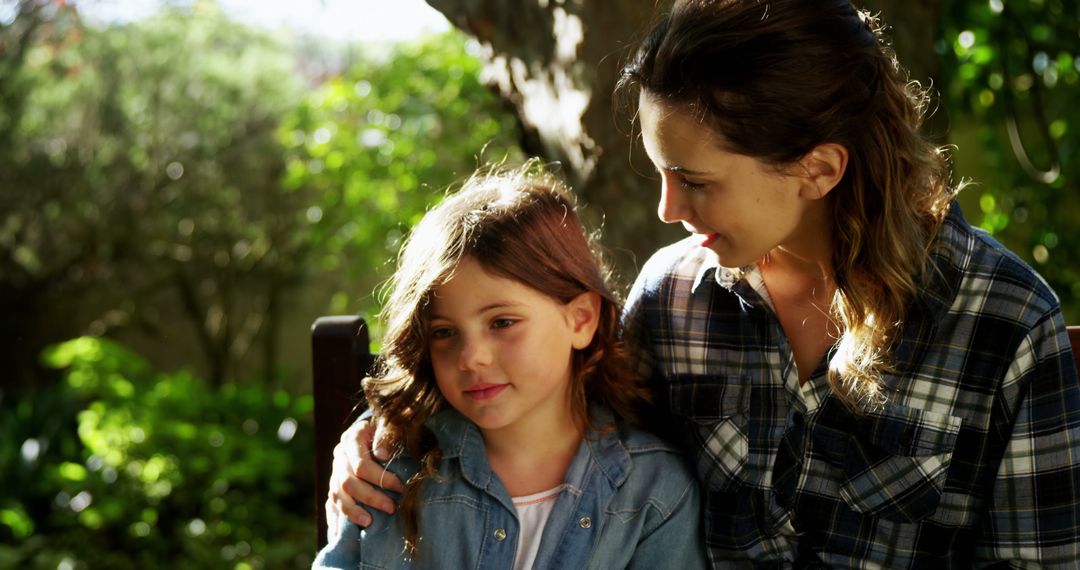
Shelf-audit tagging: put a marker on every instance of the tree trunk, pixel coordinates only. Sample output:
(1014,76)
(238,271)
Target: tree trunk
(914,27)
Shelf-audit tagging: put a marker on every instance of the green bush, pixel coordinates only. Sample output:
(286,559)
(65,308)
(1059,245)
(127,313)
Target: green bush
(126,467)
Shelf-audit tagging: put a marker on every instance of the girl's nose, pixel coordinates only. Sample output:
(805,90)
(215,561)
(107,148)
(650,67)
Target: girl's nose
(672,207)
(475,354)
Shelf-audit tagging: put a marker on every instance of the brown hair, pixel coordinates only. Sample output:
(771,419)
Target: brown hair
(518,224)
(777,78)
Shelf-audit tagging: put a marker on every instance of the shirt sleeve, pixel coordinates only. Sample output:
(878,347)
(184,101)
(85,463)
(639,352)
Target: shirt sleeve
(1033,516)
(343,552)
(635,330)
(641,347)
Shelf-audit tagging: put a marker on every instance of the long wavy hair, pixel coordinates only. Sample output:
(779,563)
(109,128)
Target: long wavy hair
(519,224)
(775,79)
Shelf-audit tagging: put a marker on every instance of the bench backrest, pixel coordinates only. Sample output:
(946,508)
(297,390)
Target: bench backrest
(341,357)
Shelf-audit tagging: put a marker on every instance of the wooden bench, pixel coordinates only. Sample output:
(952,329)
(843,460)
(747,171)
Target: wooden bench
(341,357)
(340,353)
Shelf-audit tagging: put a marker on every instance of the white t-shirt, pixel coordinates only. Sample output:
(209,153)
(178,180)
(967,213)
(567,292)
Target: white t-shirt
(533,512)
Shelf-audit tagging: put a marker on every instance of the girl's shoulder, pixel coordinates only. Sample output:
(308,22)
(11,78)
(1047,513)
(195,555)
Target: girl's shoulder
(638,441)
(659,476)
(653,462)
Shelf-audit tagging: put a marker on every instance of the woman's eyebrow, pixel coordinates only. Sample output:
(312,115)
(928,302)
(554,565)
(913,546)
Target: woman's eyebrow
(682,170)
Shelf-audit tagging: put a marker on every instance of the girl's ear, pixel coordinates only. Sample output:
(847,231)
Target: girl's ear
(823,168)
(583,315)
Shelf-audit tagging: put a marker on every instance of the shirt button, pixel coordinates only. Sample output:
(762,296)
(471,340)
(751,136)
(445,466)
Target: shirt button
(585,522)
(500,534)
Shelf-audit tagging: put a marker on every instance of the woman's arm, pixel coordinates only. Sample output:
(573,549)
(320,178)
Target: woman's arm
(1033,516)
(357,476)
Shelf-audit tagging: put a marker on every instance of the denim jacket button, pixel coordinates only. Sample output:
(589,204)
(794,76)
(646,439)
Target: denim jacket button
(585,522)
(500,534)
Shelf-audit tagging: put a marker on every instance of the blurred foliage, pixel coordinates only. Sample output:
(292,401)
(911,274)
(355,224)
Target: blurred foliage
(124,467)
(1012,70)
(379,144)
(145,154)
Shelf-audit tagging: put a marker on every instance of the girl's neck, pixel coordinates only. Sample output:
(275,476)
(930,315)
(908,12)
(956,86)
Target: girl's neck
(530,457)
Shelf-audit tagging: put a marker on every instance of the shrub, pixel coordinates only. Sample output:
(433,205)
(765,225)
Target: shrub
(126,467)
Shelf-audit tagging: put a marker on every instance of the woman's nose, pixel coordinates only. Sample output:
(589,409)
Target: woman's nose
(672,208)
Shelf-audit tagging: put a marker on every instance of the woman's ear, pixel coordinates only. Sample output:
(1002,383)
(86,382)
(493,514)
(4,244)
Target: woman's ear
(583,315)
(823,168)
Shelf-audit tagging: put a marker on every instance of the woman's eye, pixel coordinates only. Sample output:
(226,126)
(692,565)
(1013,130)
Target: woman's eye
(502,323)
(691,186)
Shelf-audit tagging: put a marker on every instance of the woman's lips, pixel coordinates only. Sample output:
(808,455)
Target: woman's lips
(485,391)
(709,239)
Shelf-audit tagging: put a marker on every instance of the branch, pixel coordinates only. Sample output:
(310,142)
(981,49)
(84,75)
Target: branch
(1012,113)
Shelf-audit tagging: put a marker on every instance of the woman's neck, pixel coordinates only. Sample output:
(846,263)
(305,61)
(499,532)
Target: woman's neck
(807,254)
(530,457)
(800,280)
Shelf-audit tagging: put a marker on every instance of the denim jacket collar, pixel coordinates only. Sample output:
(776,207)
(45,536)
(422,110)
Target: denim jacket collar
(459,438)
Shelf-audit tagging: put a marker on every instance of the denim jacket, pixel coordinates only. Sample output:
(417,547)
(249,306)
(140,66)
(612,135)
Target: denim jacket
(628,502)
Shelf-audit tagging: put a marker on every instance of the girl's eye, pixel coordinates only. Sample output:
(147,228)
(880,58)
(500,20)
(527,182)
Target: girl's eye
(442,332)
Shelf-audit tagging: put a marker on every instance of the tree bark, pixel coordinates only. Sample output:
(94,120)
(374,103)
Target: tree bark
(914,26)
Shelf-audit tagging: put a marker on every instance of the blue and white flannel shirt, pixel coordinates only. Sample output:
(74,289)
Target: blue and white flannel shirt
(973,462)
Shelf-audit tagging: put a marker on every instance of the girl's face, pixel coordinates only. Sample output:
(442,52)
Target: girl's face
(501,351)
(739,206)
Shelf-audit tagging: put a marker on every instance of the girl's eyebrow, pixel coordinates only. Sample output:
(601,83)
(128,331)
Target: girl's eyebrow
(484,309)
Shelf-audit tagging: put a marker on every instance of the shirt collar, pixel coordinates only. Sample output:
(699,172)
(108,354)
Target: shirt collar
(461,439)
(745,282)
(708,267)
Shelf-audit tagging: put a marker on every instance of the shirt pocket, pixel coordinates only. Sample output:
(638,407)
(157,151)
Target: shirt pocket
(716,409)
(896,463)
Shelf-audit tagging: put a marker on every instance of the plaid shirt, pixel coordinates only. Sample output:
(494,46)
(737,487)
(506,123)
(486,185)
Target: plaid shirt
(974,460)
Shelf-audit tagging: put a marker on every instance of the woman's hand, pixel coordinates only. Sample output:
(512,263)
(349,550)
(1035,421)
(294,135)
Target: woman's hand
(357,476)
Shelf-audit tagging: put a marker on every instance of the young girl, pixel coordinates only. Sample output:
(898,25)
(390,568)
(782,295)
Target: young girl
(509,395)
(866,380)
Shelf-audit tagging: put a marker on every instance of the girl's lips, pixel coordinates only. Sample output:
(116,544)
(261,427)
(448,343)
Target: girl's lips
(709,239)
(485,391)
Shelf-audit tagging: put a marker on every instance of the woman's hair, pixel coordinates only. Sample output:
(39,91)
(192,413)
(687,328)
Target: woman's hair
(774,79)
(518,224)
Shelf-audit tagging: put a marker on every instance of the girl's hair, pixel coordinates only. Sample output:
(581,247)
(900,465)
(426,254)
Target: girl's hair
(775,79)
(517,224)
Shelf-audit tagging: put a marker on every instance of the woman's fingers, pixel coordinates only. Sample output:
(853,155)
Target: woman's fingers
(356,478)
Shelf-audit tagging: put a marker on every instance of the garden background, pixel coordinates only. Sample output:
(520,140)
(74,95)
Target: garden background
(183,193)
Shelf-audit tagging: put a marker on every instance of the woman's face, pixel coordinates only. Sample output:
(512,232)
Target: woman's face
(741,207)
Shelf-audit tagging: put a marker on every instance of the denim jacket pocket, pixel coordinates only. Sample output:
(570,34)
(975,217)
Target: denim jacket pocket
(716,411)
(897,463)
